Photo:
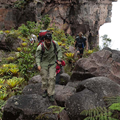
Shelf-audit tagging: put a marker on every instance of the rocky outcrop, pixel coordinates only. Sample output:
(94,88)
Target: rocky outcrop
(10,17)
(105,62)
(84,95)
(91,94)
(71,15)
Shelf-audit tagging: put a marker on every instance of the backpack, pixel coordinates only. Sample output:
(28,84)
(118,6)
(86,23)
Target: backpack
(41,35)
(80,42)
(43,50)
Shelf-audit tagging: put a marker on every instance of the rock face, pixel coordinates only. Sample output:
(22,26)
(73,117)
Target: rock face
(70,15)
(11,17)
(102,63)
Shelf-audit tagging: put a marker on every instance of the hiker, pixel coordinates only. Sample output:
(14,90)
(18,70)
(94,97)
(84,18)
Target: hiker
(33,38)
(80,44)
(46,64)
(59,70)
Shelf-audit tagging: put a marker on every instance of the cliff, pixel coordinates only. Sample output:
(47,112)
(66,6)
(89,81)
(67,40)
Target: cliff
(70,15)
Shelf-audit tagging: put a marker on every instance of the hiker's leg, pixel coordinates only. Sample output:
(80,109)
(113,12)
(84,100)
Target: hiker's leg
(51,81)
(58,78)
(78,53)
(81,52)
(44,75)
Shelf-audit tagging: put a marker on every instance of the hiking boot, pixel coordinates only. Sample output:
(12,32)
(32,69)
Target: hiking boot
(45,94)
(51,98)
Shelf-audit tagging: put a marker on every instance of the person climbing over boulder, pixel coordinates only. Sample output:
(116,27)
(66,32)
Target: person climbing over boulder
(46,54)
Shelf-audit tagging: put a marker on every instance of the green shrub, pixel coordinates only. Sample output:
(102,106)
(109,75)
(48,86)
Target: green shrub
(24,30)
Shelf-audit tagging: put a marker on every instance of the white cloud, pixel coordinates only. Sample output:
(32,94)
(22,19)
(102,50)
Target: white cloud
(112,29)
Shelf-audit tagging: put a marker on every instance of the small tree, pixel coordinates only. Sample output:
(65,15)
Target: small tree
(106,41)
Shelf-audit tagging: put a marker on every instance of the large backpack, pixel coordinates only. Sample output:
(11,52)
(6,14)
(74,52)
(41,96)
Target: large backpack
(41,35)
(43,50)
(80,42)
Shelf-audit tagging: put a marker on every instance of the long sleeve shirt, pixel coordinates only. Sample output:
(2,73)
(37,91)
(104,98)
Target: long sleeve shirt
(49,56)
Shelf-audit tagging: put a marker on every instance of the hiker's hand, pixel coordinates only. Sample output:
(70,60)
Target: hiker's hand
(86,49)
(59,63)
(74,48)
(39,68)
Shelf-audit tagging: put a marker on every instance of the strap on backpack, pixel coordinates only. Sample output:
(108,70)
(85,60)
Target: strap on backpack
(42,51)
(55,49)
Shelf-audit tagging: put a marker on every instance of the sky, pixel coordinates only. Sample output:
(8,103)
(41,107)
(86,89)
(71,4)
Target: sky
(112,29)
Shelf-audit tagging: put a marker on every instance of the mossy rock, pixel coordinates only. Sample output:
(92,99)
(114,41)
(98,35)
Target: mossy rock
(12,42)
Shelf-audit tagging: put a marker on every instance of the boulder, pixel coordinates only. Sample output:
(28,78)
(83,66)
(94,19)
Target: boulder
(35,79)
(62,93)
(90,94)
(102,63)
(27,107)
(64,78)
(33,89)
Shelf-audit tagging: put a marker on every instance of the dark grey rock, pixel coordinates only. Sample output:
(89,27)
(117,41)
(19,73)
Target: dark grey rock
(27,107)
(62,93)
(35,79)
(90,94)
(33,89)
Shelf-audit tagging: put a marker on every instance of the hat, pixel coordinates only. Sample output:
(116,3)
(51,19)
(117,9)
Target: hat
(48,36)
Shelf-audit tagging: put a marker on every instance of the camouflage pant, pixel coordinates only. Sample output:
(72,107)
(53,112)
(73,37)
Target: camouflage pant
(48,80)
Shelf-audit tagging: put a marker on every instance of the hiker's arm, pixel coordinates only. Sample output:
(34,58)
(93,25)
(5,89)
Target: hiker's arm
(39,68)
(59,52)
(38,56)
(75,44)
(86,45)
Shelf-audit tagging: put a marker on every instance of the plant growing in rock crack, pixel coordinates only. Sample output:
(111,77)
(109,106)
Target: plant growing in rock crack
(54,110)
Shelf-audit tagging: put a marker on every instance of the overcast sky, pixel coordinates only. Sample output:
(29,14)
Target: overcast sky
(113,29)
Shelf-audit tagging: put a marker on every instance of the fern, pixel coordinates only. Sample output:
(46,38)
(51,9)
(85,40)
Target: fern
(110,100)
(97,113)
(106,113)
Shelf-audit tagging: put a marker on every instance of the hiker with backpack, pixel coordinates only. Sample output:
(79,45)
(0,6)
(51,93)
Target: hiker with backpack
(80,44)
(46,55)
(59,70)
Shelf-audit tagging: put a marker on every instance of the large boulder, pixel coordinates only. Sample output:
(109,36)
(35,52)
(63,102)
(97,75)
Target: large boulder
(27,107)
(33,89)
(62,93)
(102,63)
(64,78)
(90,94)
(35,79)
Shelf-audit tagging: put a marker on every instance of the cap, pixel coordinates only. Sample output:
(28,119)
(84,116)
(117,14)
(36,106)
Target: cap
(48,36)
